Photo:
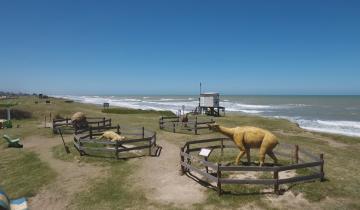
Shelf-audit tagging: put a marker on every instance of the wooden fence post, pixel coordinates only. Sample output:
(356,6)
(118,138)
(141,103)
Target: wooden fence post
(173,127)
(45,122)
(219,179)
(276,184)
(206,167)
(222,147)
(118,129)
(296,154)
(188,149)
(103,121)
(143,132)
(155,138)
(91,132)
(161,122)
(182,161)
(196,132)
(110,122)
(322,168)
(117,150)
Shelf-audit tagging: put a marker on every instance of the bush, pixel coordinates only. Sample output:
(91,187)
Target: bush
(8,124)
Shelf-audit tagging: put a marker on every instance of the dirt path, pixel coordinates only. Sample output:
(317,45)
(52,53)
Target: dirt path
(72,176)
(161,180)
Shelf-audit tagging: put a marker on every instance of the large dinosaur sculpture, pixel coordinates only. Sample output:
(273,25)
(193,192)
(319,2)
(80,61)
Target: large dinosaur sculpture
(247,137)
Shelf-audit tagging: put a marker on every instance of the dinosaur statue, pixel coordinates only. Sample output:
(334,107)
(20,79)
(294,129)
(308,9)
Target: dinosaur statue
(79,121)
(247,137)
(112,136)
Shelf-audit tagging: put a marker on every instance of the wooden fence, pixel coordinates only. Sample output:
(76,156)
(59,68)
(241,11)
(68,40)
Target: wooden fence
(174,124)
(145,139)
(66,123)
(301,159)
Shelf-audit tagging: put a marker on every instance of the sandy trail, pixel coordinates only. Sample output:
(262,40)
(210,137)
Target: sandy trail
(71,176)
(162,182)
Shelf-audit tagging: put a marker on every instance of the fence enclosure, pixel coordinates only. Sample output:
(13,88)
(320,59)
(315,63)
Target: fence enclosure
(175,125)
(301,159)
(86,141)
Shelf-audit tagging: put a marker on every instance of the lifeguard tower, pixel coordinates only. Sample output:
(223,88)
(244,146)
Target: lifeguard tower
(209,104)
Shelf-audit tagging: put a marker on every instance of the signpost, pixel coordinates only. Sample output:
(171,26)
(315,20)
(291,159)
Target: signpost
(205,152)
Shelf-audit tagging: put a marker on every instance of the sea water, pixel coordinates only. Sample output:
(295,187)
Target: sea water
(332,114)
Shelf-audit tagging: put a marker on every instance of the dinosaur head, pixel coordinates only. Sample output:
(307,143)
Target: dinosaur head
(214,127)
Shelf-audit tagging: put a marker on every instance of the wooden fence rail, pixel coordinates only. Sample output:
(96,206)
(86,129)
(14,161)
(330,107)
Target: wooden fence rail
(92,121)
(174,124)
(186,160)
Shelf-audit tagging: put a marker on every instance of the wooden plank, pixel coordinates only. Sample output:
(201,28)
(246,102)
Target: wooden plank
(248,181)
(298,166)
(99,149)
(248,168)
(133,148)
(191,168)
(204,141)
(300,178)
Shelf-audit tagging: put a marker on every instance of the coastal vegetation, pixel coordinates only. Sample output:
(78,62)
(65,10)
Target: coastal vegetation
(154,182)
(136,111)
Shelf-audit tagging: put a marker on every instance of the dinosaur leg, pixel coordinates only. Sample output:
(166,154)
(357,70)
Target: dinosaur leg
(242,153)
(248,155)
(262,153)
(272,155)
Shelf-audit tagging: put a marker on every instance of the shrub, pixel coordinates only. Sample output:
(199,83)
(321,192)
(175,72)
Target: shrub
(8,124)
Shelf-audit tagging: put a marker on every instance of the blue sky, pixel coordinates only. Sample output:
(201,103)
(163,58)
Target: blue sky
(168,47)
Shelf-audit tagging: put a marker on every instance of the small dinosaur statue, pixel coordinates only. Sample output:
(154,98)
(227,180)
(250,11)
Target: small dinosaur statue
(247,137)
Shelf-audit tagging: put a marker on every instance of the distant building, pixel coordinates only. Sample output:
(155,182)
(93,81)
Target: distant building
(210,99)
(209,104)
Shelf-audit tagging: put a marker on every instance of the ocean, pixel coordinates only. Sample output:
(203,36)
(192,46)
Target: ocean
(331,114)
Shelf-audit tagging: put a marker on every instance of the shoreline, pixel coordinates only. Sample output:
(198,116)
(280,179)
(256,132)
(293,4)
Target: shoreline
(291,120)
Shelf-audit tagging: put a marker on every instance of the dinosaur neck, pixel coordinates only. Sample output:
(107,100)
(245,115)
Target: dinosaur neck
(226,131)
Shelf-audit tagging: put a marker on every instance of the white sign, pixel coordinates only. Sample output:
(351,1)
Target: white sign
(205,152)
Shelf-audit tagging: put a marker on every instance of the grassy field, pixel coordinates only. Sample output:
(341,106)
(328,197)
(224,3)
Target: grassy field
(24,173)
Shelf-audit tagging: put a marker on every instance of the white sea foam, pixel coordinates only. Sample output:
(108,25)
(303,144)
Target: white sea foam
(348,128)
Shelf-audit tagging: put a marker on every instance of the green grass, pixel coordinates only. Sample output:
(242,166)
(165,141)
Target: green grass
(115,192)
(23,173)
(7,105)
(136,111)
